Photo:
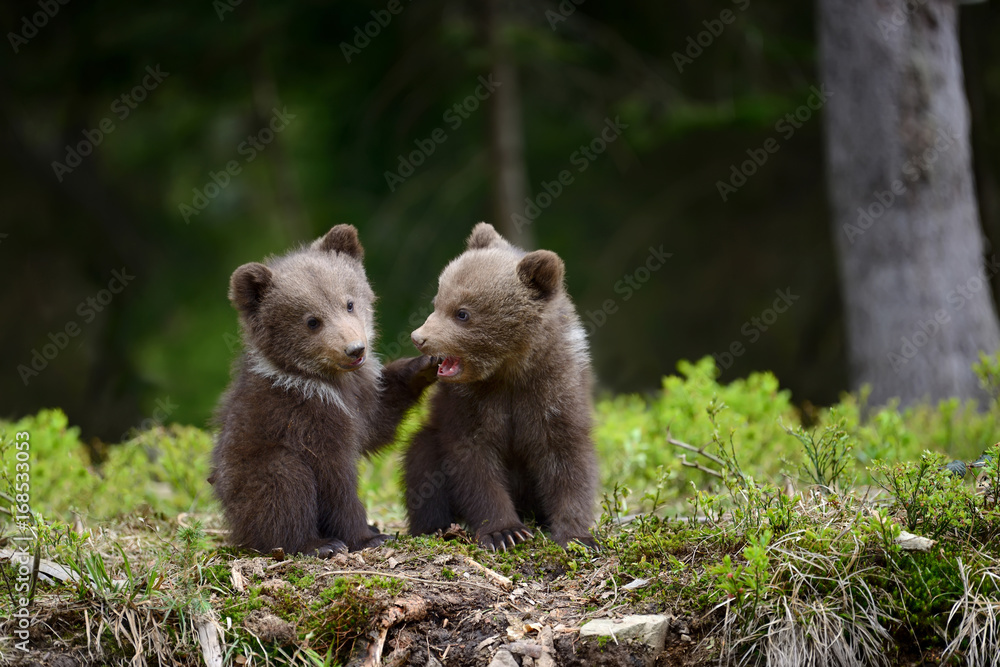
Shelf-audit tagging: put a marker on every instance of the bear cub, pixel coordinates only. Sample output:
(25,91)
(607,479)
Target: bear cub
(307,401)
(508,435)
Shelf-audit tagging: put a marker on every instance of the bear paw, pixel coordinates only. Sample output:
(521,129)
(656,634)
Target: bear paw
(503,539)
(426,371)
(329,549)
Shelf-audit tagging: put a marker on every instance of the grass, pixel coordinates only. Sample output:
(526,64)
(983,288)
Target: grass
(779,548)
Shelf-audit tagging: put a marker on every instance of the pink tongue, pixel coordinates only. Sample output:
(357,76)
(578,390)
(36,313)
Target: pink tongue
(450,366)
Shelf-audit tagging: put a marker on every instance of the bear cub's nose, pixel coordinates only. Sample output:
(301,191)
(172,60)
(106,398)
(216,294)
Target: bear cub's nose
(355,349)
(418,341)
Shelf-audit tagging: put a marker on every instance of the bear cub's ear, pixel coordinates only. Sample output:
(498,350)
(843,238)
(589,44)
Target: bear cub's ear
(341,238)
(248,286)
(542,271)
(484,236)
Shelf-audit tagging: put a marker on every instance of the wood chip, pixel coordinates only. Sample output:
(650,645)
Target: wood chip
(526,648)
(208,638)
(486,642)
(910,542)
(634,584)
(239,583)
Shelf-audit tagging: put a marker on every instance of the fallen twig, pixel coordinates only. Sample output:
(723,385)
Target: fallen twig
(493,575)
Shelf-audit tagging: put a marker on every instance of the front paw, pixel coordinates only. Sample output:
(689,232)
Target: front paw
(425,371)
(329,549)
(504,538)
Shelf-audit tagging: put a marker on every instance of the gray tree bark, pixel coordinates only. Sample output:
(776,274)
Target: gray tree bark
(510,181)
(917,299)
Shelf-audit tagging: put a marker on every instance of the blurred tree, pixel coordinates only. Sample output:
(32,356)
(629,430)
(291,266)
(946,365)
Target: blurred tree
(510,181)
(917,296)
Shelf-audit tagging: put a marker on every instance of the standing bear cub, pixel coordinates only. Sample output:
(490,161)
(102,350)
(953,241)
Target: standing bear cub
(509,430)
(307,400)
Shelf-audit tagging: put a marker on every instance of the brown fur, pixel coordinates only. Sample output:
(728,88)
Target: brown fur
(509,436)
(307,401)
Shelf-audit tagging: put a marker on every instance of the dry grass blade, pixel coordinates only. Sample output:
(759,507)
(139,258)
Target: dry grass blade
(806,627)
(978,633)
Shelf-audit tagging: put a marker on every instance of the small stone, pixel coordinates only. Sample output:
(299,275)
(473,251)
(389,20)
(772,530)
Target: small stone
(527,662)
(433,662)
(503,658)
(392,563)
(648,629)
(686,639)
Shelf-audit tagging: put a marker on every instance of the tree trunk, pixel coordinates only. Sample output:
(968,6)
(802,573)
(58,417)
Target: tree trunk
(917,300)
(510,188)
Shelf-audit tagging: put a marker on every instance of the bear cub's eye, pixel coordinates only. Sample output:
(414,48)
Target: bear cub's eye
(350,306)
(462,315)
(313,323)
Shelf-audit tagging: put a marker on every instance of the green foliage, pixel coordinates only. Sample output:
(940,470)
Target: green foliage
(935,502)
(826,457)
(162,470)
(747,581)
(60,478)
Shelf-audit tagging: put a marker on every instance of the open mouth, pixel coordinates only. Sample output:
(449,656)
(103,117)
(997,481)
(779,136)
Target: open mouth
(354,365)
(450,367)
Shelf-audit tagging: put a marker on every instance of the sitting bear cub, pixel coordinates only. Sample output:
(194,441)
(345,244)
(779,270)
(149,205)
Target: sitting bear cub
(307,401)
(509,431)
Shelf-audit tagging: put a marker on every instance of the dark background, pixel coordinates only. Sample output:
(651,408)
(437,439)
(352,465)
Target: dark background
(160,350)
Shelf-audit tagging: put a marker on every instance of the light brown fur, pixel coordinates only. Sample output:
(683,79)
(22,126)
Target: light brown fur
(509,432)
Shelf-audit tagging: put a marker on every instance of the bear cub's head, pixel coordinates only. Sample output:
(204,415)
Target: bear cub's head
(491,301)
(309,312)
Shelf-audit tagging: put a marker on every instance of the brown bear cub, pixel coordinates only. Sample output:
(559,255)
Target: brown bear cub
(509,431)
(307,400)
